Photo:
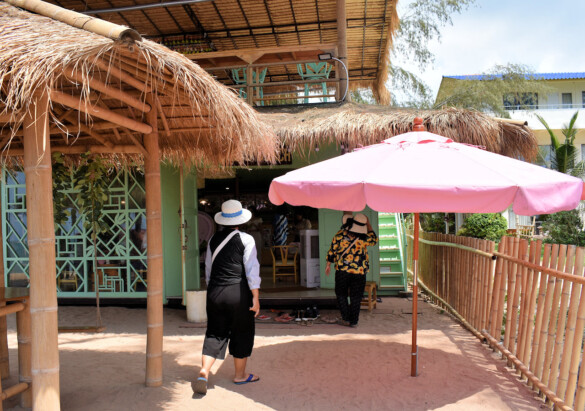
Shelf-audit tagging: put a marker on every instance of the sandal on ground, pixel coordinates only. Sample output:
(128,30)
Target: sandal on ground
(341,321)
(199,386)
(251,378)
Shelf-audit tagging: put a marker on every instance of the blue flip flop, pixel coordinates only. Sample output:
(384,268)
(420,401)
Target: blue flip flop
(200,386)
(249,379)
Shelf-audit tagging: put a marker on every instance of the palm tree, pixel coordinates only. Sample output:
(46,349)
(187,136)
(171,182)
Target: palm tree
(564,155)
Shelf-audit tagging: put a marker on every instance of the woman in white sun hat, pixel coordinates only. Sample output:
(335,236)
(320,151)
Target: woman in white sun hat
(232,273)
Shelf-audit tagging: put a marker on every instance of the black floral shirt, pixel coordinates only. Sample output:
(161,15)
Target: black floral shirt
(356,259)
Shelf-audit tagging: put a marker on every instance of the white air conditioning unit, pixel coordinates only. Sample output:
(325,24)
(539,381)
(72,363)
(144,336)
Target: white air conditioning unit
(310,273)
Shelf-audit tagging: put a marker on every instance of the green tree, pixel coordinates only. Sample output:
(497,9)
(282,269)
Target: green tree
(502,86)
(488,226)
(564,156)
(420,24)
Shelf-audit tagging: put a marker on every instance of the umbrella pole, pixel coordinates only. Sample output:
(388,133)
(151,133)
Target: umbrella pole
(414,349)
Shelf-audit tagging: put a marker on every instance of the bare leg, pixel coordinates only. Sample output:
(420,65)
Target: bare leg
(206,364)
(240,366)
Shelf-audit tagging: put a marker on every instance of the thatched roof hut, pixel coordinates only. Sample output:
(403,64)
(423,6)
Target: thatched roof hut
(72,83)
(98,86)
(356,125)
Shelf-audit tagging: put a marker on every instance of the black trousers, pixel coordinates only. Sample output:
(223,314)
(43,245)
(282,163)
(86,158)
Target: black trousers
(352,286)
(229,319)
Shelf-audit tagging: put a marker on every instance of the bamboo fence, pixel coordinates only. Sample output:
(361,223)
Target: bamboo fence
(526,300)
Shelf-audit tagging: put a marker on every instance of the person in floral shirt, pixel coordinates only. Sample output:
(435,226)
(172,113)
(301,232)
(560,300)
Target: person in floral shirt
(349,253)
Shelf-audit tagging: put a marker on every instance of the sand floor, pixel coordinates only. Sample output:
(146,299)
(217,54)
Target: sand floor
(323,367)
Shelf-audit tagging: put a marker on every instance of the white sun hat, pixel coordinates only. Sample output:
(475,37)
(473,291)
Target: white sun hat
(360,224)
(232,214)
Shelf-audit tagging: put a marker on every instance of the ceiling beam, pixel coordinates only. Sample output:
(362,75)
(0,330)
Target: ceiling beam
(105,114)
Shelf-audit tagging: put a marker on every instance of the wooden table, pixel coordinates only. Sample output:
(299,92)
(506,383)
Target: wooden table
(18,297)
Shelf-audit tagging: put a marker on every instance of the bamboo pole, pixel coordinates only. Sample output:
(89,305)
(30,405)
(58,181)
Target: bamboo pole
(553,318)
(576,358)
(81,21)
(495,300)
(576,290)
(540,308)
(23,334)
(105,114)
(116,93)
(511,271)
(342,48)
(524,303)
(42,269)
(4,358)
(538,370)
(532,288)
(526,371)
(154,342)
(15,389)
(80,149)
(561,322)
(122,76)
(88,130)
(517,276)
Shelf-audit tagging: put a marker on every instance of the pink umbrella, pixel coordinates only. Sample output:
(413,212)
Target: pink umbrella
(420,172)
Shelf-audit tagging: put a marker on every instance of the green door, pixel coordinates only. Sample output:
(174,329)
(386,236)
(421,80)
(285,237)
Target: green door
(190,233)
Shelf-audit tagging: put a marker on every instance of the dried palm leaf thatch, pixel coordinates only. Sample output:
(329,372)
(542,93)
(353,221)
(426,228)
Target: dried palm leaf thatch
(356,125)
(201,123)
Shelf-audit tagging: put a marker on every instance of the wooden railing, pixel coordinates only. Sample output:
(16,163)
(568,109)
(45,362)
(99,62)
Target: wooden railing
(526,300)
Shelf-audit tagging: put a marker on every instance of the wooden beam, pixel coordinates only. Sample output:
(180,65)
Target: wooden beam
(122,76)
(42,266)
(108,90)
(6,118)
(251,55)
(163,117)
(136,142)
(154,295)
(104,114)
(87,130)
(82,148)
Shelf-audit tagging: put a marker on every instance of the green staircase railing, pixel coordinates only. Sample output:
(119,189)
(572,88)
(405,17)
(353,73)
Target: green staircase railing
(392,247)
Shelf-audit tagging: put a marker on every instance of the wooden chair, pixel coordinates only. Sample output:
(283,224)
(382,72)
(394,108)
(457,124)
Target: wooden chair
(69,280)
(372,298)
(525,231)
(284,261)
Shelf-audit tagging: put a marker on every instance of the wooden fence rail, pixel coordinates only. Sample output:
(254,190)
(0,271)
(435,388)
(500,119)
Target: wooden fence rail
(526,300)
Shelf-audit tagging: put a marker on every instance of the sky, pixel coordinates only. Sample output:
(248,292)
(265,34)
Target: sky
(548,36)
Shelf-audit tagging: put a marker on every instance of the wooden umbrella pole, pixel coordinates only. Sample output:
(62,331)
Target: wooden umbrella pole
(42,267)
(414,349)
(154,313)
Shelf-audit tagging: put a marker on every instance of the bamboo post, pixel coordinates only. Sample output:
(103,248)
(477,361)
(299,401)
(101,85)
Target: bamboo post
(554,312)
(42,268)
(538,370)
(4,360)
(562,321)
(495,300)
(154,313)
(576,359)
(510,335)
(524,255)
(576,291)
(531,292)
(23,330)
(342,49)
(540,309)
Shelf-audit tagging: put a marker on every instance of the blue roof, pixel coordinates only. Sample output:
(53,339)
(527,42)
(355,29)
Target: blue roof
(540,76)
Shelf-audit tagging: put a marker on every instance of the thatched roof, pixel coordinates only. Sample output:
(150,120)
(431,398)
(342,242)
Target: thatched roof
(288,27)
(99,88)
(356,125)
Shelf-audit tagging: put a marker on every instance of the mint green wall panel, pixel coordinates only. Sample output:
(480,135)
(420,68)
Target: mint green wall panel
(191,232)
(169,177)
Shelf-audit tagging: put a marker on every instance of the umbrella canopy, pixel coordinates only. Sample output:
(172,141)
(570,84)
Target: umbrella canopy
(424,172)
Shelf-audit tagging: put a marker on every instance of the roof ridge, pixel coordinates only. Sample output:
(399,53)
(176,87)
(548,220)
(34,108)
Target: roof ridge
(81,21)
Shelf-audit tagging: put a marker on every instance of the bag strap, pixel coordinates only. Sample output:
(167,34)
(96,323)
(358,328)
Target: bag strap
(222,244)
(348,247)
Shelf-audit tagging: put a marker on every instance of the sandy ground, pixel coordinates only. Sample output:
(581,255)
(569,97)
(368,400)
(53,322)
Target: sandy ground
(323,367)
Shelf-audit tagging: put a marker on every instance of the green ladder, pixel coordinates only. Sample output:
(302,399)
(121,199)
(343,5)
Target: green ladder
(392,247)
